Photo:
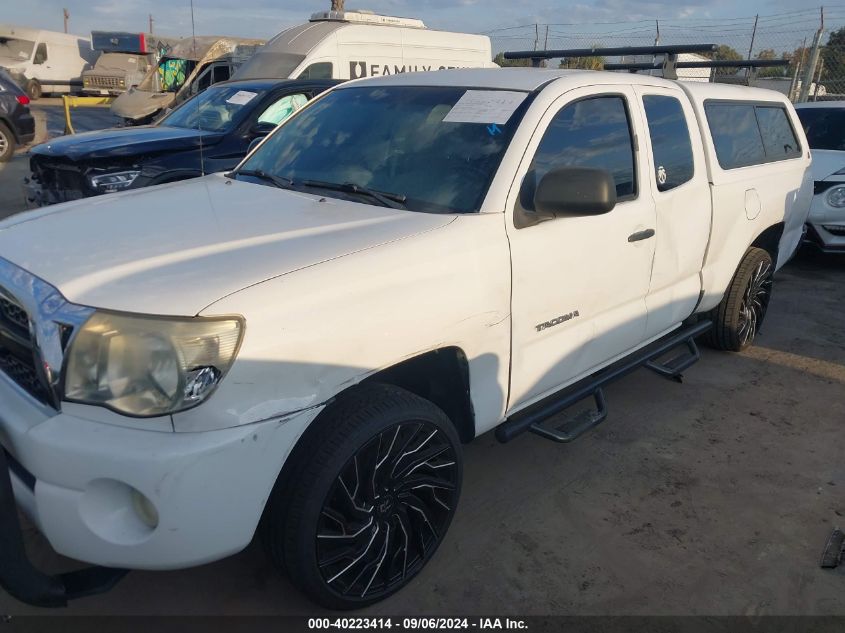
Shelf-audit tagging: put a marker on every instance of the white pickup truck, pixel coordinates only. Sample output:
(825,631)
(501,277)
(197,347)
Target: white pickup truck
(298,348)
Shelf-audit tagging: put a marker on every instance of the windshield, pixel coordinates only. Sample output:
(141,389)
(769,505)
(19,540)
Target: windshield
(400,140)
(824,127)
(18,50)
(120,62)
(266,63)
(215,110)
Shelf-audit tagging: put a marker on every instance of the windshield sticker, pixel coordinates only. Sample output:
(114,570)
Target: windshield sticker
(485,106)
(241,97)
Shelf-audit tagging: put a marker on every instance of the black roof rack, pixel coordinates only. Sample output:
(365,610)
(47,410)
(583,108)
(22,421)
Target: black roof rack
(669,64)
(710,63)
(671,49)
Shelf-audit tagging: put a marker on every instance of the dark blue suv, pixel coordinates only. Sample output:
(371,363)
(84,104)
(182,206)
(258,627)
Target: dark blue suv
(17,127)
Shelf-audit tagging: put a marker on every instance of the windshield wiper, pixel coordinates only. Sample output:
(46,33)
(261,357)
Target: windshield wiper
(387,199)
(279,181)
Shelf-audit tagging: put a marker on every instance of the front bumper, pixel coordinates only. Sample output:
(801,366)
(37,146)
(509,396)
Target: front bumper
(825,241)
(826,224)
(25,583)
(79,481)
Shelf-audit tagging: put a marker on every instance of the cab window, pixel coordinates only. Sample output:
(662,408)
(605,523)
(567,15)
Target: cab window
(593,132)
(670,141)
(221,73)
(40,54)
(282,108)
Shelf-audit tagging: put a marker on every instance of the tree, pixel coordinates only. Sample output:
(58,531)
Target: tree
(833,56)
(507,63)
(337,5)
(594,62)
(775,71)
(725,53)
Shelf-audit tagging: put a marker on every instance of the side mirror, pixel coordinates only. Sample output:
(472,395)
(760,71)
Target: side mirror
(261,129)
(575,191)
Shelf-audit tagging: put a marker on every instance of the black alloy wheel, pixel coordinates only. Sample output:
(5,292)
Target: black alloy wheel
(366,497)
(755,302)
(739,315)
(387,510)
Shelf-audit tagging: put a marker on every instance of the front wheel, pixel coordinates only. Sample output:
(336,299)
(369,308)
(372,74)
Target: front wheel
(369,499)
(737,318)
(33,89)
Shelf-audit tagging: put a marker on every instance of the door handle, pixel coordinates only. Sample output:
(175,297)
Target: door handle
(641,235)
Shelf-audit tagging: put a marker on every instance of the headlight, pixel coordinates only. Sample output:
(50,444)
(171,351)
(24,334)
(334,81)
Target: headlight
(836,197)
(148,366)
(115,181)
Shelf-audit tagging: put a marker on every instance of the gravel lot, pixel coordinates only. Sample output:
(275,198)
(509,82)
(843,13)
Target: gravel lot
(712,497)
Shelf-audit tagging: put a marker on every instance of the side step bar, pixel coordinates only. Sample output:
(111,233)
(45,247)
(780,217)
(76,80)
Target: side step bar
(531,418)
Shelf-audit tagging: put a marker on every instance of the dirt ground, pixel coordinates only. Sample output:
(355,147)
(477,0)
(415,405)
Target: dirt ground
(712,497)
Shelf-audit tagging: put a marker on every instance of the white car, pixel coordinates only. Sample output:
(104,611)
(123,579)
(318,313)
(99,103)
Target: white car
(824,125)
(299,347)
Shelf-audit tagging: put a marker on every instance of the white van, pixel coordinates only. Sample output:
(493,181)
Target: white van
(45,61)
(355,44)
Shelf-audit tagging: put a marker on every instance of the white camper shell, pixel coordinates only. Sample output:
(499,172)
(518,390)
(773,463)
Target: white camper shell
(355,44)
(45,61)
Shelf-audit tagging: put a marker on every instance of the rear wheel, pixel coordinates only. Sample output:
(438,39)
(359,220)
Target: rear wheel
(370,497)
(737,318)
(33,89)
(7,143)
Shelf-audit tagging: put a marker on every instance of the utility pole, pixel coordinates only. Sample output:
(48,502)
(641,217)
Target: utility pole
(811,65)
(799,65)
(66,16)
(751,46)
(151,24)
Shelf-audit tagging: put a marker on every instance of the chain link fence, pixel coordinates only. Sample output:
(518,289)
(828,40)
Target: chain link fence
(811,40)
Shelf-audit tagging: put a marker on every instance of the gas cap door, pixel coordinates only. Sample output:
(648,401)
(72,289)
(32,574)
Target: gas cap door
(752,204)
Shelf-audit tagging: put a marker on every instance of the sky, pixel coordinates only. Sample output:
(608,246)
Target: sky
(265,18)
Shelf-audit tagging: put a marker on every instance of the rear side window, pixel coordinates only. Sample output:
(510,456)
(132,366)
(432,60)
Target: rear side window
(670,141)
(747,134)
(778,137)
(593,132)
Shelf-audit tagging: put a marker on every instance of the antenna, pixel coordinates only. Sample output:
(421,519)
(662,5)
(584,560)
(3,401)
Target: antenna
(199,120)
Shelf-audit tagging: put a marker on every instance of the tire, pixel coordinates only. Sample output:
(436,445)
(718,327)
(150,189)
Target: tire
(334,521)
(737,318)
(7,143)
(33,89)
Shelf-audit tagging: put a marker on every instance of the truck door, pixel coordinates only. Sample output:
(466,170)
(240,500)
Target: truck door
(579,283)
(678,182)
(41,65)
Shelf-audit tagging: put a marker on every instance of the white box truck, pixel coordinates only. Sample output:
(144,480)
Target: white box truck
(356,44)
(45,61)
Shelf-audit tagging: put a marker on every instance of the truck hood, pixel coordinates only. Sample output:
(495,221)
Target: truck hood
(137,104)
(122,142)
(13,64)
(175,249)
(826,162)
